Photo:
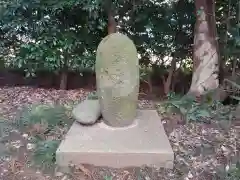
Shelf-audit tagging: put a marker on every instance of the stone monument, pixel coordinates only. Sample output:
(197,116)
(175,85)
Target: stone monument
(117,73)
(124,136)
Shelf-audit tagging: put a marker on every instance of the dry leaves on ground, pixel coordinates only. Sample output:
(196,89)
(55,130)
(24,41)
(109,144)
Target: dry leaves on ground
(201,151)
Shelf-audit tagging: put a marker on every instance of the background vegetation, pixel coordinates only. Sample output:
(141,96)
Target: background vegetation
(178,54)
(62,36)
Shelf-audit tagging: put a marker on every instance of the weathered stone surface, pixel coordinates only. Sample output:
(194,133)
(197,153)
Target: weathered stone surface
(87,112)
(142,143)
(117,75)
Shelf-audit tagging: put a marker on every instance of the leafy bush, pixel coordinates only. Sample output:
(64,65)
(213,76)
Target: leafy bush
(193,110)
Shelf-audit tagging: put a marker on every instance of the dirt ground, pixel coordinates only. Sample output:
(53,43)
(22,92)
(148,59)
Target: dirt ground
(202,151)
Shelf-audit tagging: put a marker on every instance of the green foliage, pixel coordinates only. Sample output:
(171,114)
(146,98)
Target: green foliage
(46,115)
(55,35)
(63,35)
(189,108)
(108,178)
(6,127)
(50,35)
(53,54)
(44,154)
(233,174)
(236,35)
(46,125)
(228,28)
(193,110)
(92,95)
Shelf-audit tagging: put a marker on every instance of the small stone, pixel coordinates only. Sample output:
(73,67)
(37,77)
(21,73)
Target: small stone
(223,148)
(204,132)
(190,175)
(87,112)
(227,168)
(30,146)
(65,178)
(16,144)
(58,174)
(147,178)
(25,135)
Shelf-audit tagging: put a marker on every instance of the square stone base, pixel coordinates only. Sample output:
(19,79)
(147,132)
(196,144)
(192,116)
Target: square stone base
(143,143)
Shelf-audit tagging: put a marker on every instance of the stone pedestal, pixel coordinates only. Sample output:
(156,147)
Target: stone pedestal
(143,143)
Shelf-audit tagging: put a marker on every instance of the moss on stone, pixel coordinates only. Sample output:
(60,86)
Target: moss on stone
(117,75)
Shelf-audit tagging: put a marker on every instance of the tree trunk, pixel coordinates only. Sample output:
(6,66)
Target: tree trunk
(176,75)
(63,81)
(205,55)
(112,24)
(226,55)
(167,83)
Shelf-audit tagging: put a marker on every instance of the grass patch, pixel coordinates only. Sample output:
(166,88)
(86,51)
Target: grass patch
(44,126)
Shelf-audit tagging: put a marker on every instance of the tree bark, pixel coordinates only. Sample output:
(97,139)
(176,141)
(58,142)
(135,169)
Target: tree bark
(112,24)
(167,83)
(63,81)
(63,75)
(205,52)
(226,55)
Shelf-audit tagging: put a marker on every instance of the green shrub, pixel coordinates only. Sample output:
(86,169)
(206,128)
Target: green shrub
(193,110)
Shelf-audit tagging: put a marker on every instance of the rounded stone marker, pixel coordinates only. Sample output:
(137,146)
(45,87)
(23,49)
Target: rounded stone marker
(87,112)
(117,75)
